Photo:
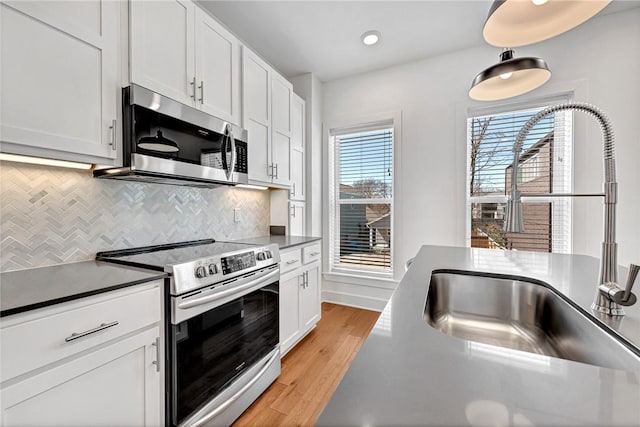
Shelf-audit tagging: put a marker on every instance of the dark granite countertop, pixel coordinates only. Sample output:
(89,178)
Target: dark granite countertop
(26,290)
(408,373)
(282,241)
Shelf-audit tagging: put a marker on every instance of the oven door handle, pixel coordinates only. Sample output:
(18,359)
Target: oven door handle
(223,294)
(239,393)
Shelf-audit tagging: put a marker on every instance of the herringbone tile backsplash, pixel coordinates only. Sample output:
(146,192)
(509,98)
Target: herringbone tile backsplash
(53,215)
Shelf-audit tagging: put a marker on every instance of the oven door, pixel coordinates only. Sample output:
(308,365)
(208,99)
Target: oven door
(218,334)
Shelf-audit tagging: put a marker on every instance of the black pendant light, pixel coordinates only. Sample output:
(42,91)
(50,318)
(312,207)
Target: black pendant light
(513,23)
(158,143)
(510,77)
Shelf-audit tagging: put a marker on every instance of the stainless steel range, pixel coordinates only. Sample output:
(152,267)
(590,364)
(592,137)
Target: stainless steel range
(222,325)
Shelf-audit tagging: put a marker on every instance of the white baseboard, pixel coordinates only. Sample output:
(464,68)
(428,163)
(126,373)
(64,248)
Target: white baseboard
(351,300)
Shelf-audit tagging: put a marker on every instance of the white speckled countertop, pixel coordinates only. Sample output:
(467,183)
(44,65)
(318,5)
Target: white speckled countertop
(408,373)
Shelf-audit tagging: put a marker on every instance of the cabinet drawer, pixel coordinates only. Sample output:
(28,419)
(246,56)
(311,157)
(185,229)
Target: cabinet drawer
(290,260)
(43,340)
(311,253)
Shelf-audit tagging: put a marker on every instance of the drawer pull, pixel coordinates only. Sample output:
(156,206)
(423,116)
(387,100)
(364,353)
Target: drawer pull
(314,253)
(156,362)
(293,261)
(103,326)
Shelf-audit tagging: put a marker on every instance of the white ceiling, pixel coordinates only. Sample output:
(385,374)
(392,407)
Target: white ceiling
(323,37)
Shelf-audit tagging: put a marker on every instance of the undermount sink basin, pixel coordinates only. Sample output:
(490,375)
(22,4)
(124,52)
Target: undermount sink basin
(519,314)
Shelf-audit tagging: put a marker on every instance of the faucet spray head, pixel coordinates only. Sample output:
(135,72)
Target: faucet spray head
(513,216)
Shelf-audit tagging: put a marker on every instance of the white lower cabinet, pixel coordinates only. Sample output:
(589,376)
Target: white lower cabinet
(289,310)
(299,295)
(117,380)
(310,297)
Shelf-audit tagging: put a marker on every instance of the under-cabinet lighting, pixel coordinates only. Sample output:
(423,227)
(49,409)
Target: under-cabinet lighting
(46,162)
(252,187)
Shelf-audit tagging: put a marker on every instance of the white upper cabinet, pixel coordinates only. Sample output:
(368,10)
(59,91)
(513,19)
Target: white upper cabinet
(162,47)
(179,51)
(282,91)
(281,104)
(267,107)
(217,69)
(60,79)
(297,149)
(297,219)
(256,103)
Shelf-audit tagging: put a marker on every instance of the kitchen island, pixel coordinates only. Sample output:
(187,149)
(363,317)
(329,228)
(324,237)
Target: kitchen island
(408,373)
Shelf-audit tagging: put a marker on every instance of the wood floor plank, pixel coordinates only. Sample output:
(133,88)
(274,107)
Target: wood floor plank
(312,370)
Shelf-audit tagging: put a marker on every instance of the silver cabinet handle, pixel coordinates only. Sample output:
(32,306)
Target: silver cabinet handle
(193,88)
(314,253)
(201,87)
(306,274)
(302,284)
(294,188)
(293,211)
(276,169)
(113,135)
(270,170)
(157,361)
(103,326)
(293,261)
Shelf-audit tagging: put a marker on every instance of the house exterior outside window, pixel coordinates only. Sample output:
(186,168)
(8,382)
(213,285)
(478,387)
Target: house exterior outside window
(361,193)
(544,167)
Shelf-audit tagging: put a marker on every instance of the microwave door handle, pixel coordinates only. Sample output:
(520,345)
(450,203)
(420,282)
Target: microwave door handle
(233,154)
(223,153)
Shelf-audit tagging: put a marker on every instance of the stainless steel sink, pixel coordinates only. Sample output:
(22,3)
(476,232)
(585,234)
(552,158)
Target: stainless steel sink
(519,314)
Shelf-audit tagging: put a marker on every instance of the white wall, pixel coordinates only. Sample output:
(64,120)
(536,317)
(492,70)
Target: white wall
(598,60)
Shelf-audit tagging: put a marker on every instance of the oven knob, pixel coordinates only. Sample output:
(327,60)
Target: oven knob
(201,272)
(261,256)
(269,256)
(213,269)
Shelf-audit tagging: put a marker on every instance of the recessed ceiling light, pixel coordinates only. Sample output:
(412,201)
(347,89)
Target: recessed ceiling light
(370,37)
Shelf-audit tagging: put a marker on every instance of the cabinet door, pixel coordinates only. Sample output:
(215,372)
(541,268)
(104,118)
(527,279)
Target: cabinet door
(217,69)
(296,219)
(59,66)
(162,47)
(282,92)
(290,284)
(256,114)
(310,298)
(115,385)
(297,149)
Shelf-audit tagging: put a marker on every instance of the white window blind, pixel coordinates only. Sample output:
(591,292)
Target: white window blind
(362,200)
(545,167)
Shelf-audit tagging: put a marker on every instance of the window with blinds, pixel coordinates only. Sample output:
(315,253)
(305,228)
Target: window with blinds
(362,200)
(544,167)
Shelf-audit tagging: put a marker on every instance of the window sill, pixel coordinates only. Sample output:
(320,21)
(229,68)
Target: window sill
(360,279)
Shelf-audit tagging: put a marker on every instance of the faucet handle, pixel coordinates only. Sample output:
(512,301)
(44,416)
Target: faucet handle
(631,279)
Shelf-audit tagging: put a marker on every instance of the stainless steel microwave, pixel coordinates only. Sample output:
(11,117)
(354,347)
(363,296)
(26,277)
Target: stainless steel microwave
(167,142)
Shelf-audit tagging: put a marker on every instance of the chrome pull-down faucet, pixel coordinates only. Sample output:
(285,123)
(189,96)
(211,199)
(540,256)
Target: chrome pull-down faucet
(610,297)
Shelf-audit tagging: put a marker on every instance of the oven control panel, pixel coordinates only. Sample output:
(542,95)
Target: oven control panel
(239,262)
(209,270)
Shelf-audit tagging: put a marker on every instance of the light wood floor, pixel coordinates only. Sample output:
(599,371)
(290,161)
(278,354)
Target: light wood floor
(312,370)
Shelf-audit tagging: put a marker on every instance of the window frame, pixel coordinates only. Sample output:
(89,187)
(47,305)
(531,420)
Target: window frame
(513,107)
(390,121)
